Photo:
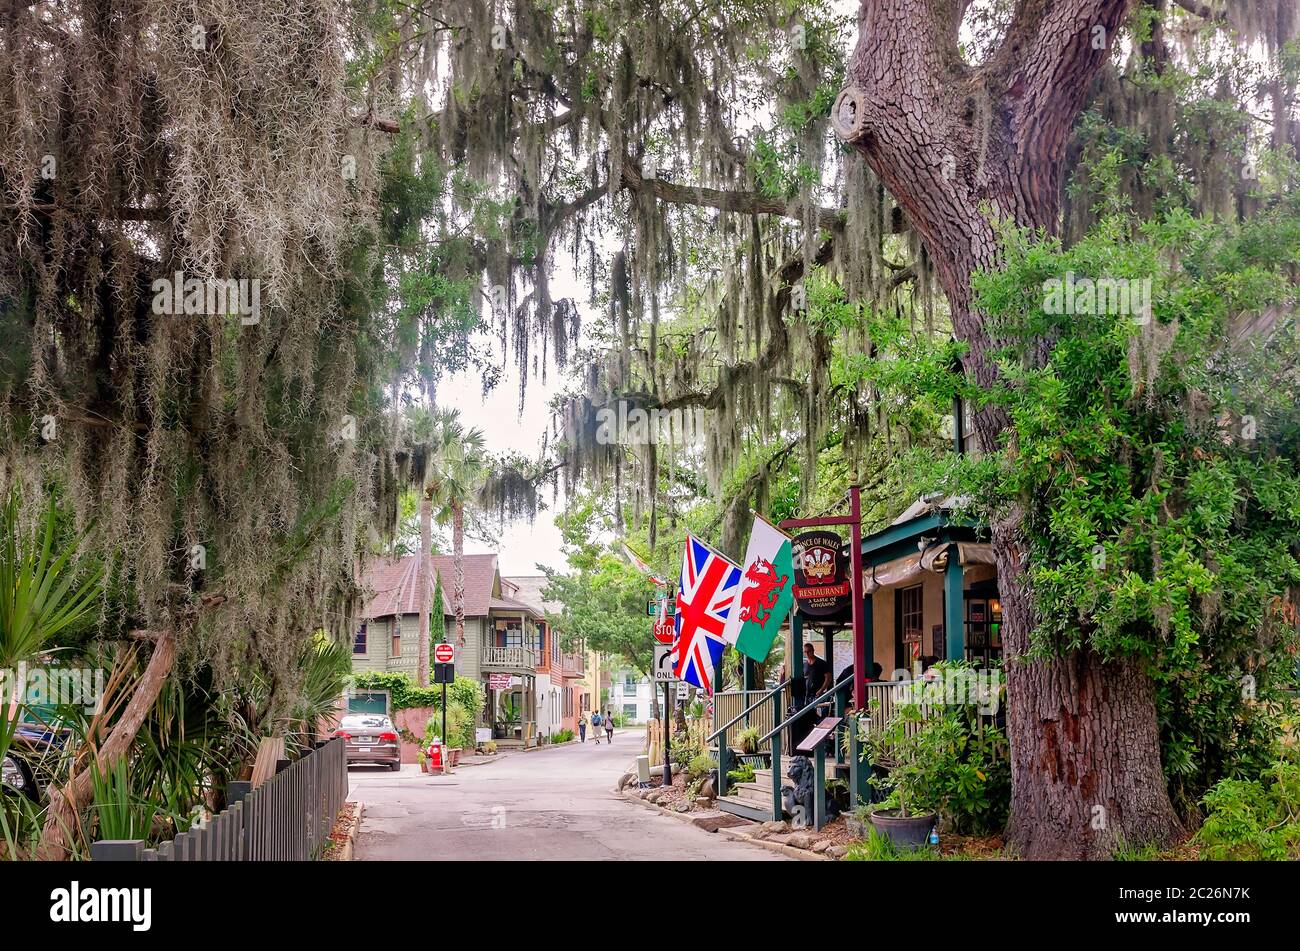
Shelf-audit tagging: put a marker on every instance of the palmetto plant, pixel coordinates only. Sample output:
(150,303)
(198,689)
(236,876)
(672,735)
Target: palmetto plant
(119,810)
(45,589)
(326,665)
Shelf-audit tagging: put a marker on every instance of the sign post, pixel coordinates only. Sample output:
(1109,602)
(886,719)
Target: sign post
(444,657)
(665,673)
(859,607)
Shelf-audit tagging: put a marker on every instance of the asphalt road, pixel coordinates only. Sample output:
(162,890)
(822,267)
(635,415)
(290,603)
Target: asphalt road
(550,804)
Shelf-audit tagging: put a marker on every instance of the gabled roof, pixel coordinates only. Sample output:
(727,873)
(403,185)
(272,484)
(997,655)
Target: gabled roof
(528,589)
(510,605)
(394,584)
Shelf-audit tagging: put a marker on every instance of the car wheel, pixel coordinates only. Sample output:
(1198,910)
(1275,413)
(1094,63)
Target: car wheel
(18,778)
(395,767)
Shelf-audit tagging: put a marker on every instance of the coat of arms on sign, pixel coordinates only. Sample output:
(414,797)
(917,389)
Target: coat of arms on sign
(818,563)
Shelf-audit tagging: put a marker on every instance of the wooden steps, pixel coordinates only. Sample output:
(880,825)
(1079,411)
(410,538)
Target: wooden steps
(750,800)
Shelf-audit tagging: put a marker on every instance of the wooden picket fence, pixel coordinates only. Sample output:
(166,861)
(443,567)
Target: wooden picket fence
(287,818)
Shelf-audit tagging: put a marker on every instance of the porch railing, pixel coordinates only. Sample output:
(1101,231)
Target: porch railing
(287,818)
(729,704)
(509,657)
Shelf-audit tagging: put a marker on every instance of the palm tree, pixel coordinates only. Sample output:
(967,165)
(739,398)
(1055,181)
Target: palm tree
(458,472)
(423,433)
(454,472)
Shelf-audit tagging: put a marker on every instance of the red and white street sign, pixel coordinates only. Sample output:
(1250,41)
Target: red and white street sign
(444,653)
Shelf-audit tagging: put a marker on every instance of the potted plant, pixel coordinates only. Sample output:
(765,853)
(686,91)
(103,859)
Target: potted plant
(747,739)
(424,763)
(907,814)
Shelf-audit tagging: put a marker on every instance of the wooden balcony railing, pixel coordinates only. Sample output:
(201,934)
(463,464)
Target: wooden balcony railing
(511,657)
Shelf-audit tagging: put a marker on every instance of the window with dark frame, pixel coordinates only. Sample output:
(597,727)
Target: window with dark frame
(397,639)
(912,612)
(359,642)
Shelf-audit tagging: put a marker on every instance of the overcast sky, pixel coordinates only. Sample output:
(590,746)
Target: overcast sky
(505,427)
(522,545)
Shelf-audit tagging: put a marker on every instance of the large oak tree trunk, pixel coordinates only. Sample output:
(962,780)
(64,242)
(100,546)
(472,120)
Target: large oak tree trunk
(958,146)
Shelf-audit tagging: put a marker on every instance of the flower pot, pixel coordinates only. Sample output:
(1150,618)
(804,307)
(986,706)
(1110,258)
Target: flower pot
(424,765)
(906,833)
(455,755)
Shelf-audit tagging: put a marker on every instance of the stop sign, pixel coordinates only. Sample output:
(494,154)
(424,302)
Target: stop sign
(444,653)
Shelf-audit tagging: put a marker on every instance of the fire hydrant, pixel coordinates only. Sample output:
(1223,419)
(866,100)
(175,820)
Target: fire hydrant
(435,755)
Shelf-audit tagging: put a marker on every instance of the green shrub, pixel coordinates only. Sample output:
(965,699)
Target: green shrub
(119,810)
(562,736)
(682,750)
(460,727)
(404,694)
(699,767)
(944,762)
(744,773)
(1254,820)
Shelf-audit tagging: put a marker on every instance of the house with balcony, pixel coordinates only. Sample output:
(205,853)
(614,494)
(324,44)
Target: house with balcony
(559,674)
(505,638)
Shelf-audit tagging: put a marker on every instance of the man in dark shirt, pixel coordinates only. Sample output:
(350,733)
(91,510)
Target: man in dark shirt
(817,679)
(816,674)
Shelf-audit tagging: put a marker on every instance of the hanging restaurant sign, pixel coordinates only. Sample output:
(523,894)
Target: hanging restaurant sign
(821,574)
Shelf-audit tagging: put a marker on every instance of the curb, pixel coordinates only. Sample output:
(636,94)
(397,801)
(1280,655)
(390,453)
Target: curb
(549,746)
(735,833)
(349,844)
(803,855)
(681,816)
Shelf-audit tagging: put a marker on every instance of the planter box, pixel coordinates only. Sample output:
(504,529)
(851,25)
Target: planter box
(756,760)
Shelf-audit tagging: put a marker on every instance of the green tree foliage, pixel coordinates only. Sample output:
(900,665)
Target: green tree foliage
(1157,462)
(1252,819)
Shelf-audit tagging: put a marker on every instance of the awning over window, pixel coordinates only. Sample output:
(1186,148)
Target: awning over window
(911,568)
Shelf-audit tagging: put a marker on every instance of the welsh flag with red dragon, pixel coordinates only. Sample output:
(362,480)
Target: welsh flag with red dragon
(766,592)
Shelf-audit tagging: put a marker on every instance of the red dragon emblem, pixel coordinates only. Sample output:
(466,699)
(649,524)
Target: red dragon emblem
(760,595)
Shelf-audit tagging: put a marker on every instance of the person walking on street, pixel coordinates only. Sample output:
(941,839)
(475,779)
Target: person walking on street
(595,727)
(609,727)
(582,727)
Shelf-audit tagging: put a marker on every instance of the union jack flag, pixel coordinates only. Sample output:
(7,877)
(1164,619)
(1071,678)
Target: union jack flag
(707,587)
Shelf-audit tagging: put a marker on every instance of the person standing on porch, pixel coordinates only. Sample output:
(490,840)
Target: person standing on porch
(817,679)
(816,674)
(609,728)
